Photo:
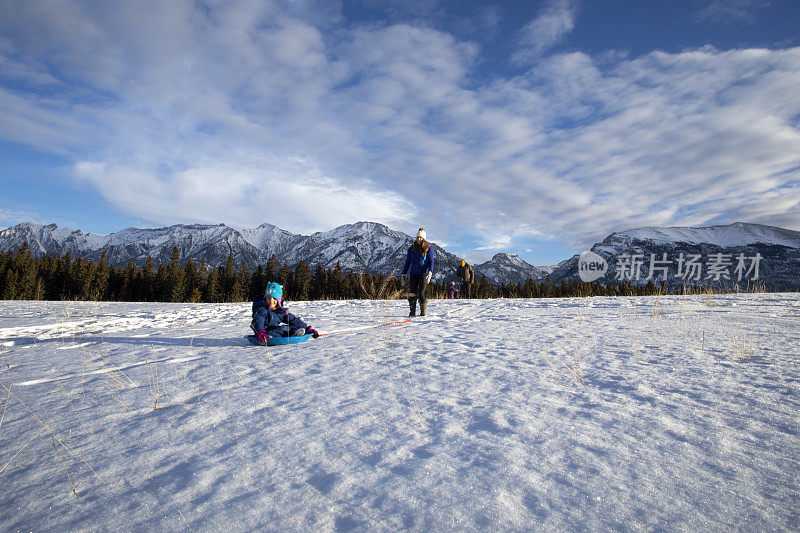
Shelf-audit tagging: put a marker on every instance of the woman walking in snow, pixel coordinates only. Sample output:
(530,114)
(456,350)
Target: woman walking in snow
(272,319)
(420,260)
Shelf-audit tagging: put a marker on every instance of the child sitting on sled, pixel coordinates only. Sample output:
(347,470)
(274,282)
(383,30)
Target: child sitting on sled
(271,319)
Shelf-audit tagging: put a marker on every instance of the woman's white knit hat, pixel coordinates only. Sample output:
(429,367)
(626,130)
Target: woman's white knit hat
(421,233)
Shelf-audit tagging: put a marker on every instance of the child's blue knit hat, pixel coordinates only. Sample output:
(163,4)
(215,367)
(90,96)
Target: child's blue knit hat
(274,290)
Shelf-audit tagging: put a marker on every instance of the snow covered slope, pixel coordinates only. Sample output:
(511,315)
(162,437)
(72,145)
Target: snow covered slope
(547,269)
(606,414)
(506,268)
(778,249)
(271,239)
(727,236)
(364,246)
(361,246)
(197,242)
(50,239)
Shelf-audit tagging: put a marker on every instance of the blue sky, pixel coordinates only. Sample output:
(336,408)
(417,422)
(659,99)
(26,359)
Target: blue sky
(528,127)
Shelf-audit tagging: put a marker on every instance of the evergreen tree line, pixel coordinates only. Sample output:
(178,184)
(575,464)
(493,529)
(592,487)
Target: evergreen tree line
(61,277)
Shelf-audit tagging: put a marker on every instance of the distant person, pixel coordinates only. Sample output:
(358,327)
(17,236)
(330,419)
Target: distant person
(420,260)
(452,291)
(271,319)
(467,277)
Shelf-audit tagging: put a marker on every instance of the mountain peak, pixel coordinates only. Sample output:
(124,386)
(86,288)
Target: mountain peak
(504,255)
(363,226)
(507,267)
(374,247)
(728,235)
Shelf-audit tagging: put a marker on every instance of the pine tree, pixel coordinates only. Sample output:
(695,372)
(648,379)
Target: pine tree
(241,285)
(228,278)
(284,277)
(351,289)
(175,278)
(46,268)
(529,289)
(160,291)
(10,289)
(77,278)
(126,292)
(101,278)
(271,270)
(4,262)
(318,291)
(60,281)
(193,282)
(213,291)
(27,273)
(147,289)
(335,284)
(484,289)
(115,280)
(302,281)
(257,283)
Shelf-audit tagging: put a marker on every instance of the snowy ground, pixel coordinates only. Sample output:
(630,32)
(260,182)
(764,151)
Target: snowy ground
(669,413)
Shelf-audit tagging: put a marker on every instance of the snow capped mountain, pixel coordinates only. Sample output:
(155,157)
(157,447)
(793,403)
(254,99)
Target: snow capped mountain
(722,256)
(360,246)
(507,268)
(363,246)
(50,239)
(373,247)
(271,239)
(727,236)
(547,269)
(197,242)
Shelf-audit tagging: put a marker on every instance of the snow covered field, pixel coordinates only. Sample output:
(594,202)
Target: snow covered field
(663,413)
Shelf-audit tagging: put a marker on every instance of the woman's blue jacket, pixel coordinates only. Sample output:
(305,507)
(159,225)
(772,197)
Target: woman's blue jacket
(420,264)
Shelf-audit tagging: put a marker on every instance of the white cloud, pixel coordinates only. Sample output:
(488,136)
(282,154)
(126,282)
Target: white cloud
(546,30)
(499,242)
(501,237)
(33,74)
(45,123)
(732,11)
(254,114)
(240,196)
(662,139)
(10,217)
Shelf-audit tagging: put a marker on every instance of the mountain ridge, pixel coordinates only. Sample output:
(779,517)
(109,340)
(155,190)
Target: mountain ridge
(374,247)
(662,255)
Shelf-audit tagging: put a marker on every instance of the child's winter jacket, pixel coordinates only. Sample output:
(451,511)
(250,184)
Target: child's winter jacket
(276,322)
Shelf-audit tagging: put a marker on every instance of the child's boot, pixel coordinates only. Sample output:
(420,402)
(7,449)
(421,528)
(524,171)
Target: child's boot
(412,302)
(422,305)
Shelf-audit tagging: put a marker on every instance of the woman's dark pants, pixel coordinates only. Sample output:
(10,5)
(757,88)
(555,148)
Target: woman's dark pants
(417,284)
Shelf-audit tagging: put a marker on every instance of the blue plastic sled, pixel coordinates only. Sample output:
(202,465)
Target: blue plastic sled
(275,341)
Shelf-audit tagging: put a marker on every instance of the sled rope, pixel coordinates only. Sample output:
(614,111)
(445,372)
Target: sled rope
(364,328)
